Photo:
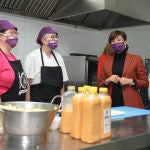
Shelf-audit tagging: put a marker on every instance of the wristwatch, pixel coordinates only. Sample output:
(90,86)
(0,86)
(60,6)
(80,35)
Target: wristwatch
(134,82)
(105,83)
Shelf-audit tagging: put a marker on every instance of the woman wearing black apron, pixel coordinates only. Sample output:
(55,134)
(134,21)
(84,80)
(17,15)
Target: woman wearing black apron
(45,68)
(13,81)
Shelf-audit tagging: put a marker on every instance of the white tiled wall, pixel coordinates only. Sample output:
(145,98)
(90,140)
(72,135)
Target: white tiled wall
(75,40)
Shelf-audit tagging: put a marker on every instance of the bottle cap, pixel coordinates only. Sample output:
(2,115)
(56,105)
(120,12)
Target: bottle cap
(93,90)
(71,87)
(80,89)
(86,88)
(103,89)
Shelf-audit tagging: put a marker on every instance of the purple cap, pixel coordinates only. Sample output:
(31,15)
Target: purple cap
(4,25)
(45,30)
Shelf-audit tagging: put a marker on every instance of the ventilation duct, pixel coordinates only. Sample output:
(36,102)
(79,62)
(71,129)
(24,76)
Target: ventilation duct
(98,14)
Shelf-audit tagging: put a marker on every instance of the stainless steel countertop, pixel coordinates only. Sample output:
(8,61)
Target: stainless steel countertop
(129,133)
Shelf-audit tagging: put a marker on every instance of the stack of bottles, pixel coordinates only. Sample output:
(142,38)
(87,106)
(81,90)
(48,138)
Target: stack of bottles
(90,119)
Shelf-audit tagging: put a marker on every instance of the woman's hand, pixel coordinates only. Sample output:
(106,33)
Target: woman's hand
(113,78)
(125,81)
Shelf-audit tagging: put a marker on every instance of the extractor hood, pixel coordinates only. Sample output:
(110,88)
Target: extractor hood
(98,14)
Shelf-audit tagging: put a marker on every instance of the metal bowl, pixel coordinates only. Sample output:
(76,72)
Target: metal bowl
(28,123)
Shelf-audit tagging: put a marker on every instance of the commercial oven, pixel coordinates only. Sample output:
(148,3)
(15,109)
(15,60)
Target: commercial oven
(81,69)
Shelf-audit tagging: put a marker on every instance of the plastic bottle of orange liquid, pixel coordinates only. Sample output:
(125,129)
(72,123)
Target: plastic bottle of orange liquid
(91,117)
(105,113)
(77,102)
(65,123)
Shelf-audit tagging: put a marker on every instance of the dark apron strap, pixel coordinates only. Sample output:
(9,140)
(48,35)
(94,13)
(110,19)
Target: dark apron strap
(43,59)
(42,56)
(55,58)
(5,55)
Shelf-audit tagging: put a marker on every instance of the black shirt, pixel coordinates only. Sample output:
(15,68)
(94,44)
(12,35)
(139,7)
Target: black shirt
(117,69)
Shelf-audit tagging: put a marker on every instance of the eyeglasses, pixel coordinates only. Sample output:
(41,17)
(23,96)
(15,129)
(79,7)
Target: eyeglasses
(51,36)
(11,34)
(54,36)
(14,33)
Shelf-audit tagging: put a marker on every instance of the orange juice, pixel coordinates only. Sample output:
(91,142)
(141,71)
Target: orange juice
(76,126)
(91,117)
(105,113)
(65,124)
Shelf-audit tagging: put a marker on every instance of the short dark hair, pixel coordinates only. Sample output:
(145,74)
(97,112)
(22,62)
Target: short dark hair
(116,33)
(3,31)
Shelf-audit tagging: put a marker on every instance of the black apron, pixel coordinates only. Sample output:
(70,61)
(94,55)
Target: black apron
(51,83)
(18,90)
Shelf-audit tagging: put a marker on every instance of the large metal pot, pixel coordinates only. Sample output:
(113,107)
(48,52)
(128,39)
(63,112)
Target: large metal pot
(28,123)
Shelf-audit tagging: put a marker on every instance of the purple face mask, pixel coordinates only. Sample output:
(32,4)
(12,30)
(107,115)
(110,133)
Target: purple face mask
(53,45)
(118,47)
(12,42)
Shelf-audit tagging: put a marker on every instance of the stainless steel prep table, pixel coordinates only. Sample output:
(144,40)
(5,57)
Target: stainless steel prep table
(128,133)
